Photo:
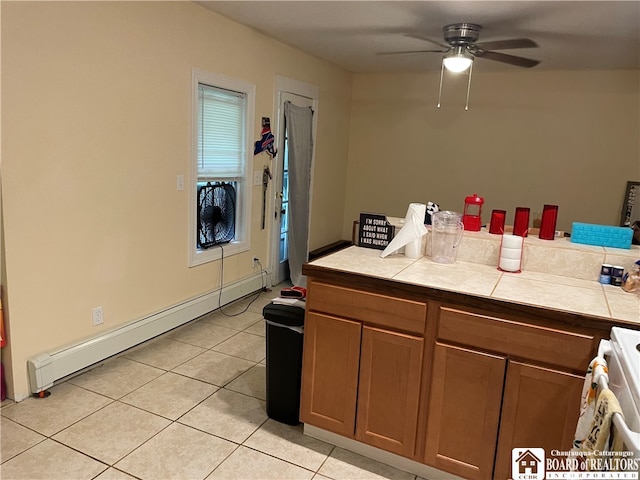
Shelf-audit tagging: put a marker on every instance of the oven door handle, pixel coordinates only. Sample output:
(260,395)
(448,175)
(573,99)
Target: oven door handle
(604,348)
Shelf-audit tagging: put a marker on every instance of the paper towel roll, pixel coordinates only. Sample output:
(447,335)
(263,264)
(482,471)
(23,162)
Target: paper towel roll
(413,249)
(410,235)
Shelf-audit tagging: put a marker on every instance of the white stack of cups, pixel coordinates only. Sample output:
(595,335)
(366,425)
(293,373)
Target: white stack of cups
(511,253)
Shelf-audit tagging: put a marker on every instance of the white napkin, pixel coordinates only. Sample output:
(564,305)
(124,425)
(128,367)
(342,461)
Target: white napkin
(410,235)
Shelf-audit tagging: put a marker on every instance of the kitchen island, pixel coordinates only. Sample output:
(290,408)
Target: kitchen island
(448,367)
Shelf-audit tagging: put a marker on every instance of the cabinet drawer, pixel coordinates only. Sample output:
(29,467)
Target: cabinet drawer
(371,308)
(542,344)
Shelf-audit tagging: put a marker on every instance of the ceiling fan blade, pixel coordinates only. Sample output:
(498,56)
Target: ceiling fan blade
(506,44)
(426,39)
(411,52)
(504,58)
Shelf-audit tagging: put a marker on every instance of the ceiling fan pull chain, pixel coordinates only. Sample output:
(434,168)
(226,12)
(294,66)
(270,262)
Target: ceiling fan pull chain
(466,106)
(440,89)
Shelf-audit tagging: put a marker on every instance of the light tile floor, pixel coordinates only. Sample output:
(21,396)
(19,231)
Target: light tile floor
(188,405)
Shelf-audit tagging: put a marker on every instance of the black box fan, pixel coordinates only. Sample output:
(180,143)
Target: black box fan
(216,214)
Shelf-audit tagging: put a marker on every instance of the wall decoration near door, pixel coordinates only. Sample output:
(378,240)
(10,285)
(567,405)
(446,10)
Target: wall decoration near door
(266,142)
(266,176)
(299,130)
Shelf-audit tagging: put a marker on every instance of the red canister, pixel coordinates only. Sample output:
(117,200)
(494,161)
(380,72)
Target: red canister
(497,221)
(548,222)
(472,216)
(521,222)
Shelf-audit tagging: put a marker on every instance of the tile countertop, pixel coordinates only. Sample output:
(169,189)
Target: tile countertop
(536,288)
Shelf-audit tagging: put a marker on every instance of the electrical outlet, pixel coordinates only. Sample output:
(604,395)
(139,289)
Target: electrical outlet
(180,182)
(255,262)
(97,317)
(257,178)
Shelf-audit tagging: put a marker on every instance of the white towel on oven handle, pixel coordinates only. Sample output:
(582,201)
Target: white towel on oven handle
(597,367)
(602,437)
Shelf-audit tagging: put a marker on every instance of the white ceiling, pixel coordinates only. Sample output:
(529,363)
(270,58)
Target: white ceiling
(570,34)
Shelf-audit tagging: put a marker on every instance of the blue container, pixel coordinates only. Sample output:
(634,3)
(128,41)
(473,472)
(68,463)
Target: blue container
(601,235)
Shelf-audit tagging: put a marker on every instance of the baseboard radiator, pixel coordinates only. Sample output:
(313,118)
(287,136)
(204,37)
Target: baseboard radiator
(46,368)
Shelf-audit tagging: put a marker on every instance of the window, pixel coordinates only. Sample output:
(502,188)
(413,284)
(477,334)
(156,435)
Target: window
(222,132)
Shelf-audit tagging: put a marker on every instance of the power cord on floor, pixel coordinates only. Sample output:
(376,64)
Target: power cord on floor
(263,287)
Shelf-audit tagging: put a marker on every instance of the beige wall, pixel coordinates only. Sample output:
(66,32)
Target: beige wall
(530,137)
(96,126)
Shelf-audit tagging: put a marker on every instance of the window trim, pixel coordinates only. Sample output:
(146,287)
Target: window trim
(243,211)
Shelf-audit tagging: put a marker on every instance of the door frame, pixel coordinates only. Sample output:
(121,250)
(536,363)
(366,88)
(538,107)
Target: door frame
(295,87)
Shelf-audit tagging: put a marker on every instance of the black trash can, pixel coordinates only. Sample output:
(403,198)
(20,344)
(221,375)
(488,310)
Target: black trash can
(285,326)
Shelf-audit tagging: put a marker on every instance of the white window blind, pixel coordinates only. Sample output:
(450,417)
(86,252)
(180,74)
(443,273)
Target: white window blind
(221,134)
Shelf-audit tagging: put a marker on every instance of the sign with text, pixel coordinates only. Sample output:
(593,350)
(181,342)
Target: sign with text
(375,231)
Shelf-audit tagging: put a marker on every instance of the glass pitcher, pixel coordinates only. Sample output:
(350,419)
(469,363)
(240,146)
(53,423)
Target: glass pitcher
(446,235)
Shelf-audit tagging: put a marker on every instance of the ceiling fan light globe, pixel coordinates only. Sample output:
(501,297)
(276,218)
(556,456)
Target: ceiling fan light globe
(457,63)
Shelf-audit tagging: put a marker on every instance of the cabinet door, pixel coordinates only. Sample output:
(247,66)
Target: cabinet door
(540,409)
(464,411)
(389,391)
(330,373)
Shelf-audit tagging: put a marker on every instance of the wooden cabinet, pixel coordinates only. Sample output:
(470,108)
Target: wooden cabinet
(488,397)
(464,411)
(456,385)
(358,380)
(540,409)
(389,390)
(330,373)
(471,397)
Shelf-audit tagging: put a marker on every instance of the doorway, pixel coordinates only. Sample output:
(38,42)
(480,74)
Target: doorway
(301,95)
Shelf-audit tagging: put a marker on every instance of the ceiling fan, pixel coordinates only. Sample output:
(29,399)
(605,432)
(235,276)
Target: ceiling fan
(460,47)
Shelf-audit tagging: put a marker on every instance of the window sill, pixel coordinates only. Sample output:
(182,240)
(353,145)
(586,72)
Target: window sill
(202,256)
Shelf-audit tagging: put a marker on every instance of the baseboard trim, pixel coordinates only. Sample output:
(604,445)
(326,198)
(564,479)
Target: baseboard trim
(46,368)
(377,454)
